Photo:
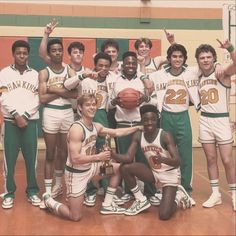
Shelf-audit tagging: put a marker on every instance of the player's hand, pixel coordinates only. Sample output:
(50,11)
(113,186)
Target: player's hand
(104,155)
(91,74)
(116,101)
(51,26)
(149,86)
(141,60)
(169,36)
(21,122)
(225,44)
(219,71)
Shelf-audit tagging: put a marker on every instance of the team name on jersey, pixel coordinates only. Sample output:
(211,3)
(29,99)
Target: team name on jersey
(175,82)
(208,81)
(90,139)
(101,87)
(21,84)
(151,148)
(161,86)
(90,91)
(55,80)
(192,83)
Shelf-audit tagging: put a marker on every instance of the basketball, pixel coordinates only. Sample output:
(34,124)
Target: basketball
(129,98)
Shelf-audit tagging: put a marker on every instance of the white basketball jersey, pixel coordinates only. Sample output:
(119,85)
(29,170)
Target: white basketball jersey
(152,149)
(57,80)
(214,95)
(176,97)
(88,146)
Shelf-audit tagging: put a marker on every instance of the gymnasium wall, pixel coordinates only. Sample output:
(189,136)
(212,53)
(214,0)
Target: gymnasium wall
(91,23)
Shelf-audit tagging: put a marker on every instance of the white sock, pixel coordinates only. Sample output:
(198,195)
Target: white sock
(232,188)
(48,185)
(215,186)
(53,204)
(138,194)
(58,176)
(109,196)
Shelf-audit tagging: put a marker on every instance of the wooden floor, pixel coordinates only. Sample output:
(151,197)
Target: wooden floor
(25,219)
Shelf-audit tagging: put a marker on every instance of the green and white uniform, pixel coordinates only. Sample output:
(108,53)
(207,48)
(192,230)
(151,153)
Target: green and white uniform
(21,96)
(173,95)
(214,119)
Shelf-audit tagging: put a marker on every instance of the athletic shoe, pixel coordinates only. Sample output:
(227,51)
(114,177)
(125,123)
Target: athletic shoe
(118,201)
(183,198)
(90,200)
(46,197)
(34,200)
(214,199)
(57,190)
(137,207)
(126,197)
(112,209)
(192,201)
(7,203)
(155,200)
(42,204)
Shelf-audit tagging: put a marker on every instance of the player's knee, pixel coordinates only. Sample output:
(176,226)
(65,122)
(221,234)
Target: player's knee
(124,169)
(164,215)
(76,217)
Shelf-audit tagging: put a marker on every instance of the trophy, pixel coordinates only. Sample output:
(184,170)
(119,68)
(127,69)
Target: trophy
(106,169)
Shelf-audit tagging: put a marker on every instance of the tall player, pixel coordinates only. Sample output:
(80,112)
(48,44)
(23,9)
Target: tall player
(214,120)
(57,113)
(83,164)
(20,104)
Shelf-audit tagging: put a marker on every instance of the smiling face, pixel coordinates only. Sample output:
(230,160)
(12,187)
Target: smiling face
(144,50)
(103,66)
(112,52)
(176,59)
(130,65)
(89,107)
(149,121)
(206,62)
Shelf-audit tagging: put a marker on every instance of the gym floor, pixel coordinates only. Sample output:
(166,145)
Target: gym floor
(25,219)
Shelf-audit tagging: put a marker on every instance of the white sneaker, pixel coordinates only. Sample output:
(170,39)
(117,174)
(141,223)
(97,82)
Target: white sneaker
(155,200)
(42,204)
(214,199)
(183,199)
(34,200)
(137,207)
(7,203)
(112,209)
(126,197)
(192,201)
(118,201)
(57,190)
(90,200)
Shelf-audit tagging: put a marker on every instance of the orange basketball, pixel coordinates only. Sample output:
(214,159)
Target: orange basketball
(129,98)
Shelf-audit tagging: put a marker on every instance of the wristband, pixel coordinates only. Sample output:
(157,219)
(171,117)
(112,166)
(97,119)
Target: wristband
(81,77)
(230,48)
(142,78)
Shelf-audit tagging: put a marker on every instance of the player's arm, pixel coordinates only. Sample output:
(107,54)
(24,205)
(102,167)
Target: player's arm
(129,156)
(103,131)
(229,69)
(44,96)
(74,138)
(43,45)
(170,146)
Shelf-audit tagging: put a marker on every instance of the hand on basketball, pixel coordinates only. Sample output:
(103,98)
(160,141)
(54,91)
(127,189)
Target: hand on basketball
(50,26)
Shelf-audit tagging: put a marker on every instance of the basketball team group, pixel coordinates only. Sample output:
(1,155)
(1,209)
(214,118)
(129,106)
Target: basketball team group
(121,129)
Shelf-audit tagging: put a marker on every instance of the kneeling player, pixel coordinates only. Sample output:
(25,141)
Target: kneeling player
(160,151)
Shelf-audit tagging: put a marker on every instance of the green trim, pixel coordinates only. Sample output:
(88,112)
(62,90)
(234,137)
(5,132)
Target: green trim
(73,170)
(215,115)
(109,22)
(67,106)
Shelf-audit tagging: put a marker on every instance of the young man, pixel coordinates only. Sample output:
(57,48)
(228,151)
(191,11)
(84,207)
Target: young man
(83,164)
(160,151)
(19,104)
(129,78)
(176,87)
(214,120)
(57,113)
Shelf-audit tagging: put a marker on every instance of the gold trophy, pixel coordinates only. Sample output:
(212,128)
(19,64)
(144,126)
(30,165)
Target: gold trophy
(106,169)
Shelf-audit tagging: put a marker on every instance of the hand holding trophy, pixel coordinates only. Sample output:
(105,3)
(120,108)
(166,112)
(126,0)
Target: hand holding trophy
(106,169)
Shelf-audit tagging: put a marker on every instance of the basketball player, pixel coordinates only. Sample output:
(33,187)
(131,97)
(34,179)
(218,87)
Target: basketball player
(129,78)
(214,120)
(57,113)
(20,104)
(83,164)
(160,151)
(175,87)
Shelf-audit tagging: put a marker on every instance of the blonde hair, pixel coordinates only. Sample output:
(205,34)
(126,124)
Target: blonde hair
(86,97)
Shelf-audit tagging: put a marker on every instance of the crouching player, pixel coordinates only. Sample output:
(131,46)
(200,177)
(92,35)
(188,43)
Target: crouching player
(83,164)
(160,150)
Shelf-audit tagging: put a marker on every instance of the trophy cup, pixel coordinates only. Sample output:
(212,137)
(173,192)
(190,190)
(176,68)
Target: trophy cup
(106,169)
